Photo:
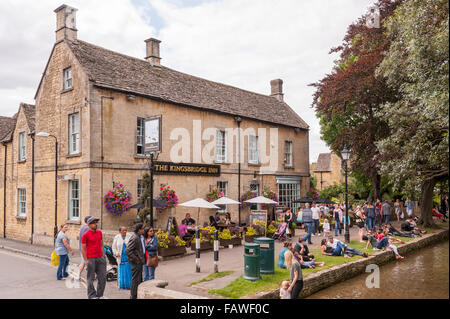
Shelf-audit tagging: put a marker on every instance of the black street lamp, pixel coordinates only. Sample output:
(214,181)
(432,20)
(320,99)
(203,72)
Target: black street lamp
(345,156)
(45,134)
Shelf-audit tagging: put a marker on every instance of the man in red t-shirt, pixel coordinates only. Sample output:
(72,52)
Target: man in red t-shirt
(93,253)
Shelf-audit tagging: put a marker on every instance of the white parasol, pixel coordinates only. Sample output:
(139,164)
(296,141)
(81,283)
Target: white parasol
(261,200)
(199,203)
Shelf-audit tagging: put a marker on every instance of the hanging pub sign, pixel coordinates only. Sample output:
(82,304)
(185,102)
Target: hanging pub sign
(152,132)
(186,169)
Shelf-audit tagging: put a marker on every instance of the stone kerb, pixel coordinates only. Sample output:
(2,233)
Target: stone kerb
(317,281)
(155,289)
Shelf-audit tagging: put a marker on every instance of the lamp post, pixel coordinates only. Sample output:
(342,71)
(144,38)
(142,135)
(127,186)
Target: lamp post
(45,134)
(345,156)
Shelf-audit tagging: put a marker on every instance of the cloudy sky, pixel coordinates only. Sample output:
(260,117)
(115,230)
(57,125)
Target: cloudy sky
(244,43)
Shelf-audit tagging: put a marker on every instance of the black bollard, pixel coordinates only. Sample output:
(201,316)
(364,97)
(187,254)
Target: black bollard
(197,250)
(216,251)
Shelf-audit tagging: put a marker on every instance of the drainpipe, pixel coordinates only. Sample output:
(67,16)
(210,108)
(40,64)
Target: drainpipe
(102,157)
(239,120)
(4,190)
(32,187)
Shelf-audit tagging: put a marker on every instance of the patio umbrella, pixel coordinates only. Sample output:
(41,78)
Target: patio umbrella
(199,203)
(261,200)
(224,201)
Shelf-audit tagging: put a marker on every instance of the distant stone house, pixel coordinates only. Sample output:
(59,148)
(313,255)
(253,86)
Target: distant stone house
(95,102)
(327,170)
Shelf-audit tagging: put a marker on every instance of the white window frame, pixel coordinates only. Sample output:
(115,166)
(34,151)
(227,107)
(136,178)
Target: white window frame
(67,78)
(22,202)
(288,191)
(22,146)
(74,133)
(140,135)
(223,186)
(74,200)
(221,146)
(288,158)
(253,149)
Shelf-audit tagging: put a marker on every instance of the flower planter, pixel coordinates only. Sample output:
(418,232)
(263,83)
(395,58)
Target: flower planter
(171,251)
(203,246)
(249,239)
(232,241)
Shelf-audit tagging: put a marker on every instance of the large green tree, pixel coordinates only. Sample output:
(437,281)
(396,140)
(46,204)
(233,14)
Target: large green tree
(347,100)
(416,152)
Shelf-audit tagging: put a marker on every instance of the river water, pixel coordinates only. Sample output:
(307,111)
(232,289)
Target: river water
(422,275)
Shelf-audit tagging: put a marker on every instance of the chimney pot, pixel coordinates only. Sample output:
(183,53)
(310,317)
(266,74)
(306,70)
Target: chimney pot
(277,89)
(152,51)
(66,26)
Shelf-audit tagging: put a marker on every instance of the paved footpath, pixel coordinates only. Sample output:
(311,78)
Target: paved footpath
(179,272)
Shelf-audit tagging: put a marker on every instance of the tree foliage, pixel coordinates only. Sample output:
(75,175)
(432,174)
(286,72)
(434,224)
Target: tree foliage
(416,152)
(347,100)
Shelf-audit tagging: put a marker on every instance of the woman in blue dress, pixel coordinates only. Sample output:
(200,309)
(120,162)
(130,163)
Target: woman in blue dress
(124,269)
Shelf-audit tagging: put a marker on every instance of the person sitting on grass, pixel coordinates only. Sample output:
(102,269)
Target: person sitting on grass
(385,243)
(302,249)
(285,248)
(303,263)
(339,248)
(392,231)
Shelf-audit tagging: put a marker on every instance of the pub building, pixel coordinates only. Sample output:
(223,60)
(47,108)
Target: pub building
(98,112)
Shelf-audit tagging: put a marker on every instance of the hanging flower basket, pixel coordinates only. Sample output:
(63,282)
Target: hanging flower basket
(168,196)
(312,193)
(213,195)
(118,200)
(246,196)
(267,193)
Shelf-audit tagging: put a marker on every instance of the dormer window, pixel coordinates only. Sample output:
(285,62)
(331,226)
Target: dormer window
(67,75)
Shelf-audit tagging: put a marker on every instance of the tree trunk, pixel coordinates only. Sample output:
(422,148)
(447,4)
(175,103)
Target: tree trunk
(376,186)
(426,203)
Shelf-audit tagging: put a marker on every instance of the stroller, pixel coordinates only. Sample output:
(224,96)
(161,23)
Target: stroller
(281,232)
(111,271)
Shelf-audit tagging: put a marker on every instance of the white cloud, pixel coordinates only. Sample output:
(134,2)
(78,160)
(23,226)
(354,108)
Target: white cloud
(240,43)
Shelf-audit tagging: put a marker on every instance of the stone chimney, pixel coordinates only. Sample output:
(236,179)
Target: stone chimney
(277,89)
(66,26)
(153,51)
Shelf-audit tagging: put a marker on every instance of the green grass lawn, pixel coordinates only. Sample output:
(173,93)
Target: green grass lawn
(213,276)
(241,287)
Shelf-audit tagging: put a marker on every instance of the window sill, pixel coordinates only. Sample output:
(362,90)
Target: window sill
(222,162)
(73,222)
(74,155)
(21,217)
(289,166)
(21,161)
(67,90)
(139,156)
(254,164)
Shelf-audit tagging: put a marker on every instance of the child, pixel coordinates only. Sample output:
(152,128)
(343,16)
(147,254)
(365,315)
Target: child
(326,228)
(284,293)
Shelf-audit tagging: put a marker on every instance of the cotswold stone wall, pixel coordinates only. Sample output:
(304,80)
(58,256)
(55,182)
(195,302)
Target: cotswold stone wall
(331,276)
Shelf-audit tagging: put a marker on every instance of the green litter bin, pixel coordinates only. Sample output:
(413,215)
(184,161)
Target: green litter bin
(267,255)
(251,261)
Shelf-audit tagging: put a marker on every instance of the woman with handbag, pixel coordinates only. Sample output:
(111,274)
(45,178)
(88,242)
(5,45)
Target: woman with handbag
(119,247)
(151,253)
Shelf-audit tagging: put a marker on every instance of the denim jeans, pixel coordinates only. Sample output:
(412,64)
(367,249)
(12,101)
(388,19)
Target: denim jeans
(309,263)
(316,226)
(353,251)
(384,242)
(337,224)
(61,272)
(371,222)
(309,229)
(338,250)
(386,219)
(149,272)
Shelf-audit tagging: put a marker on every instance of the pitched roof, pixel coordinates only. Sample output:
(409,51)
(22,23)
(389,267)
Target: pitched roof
(323,163)
(8,124)
(113,70)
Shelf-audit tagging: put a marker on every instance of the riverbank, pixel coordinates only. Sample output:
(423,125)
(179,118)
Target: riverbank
(321,279)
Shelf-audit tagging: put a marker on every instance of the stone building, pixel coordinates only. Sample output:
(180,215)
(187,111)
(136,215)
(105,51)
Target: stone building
(94,103)
(327,170)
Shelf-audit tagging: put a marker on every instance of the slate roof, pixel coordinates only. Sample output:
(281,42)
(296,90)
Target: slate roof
(8,124)
(113,70)
(323,163)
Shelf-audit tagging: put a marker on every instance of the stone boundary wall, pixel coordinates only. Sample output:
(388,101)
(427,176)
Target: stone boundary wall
(328,277)
(155,289)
